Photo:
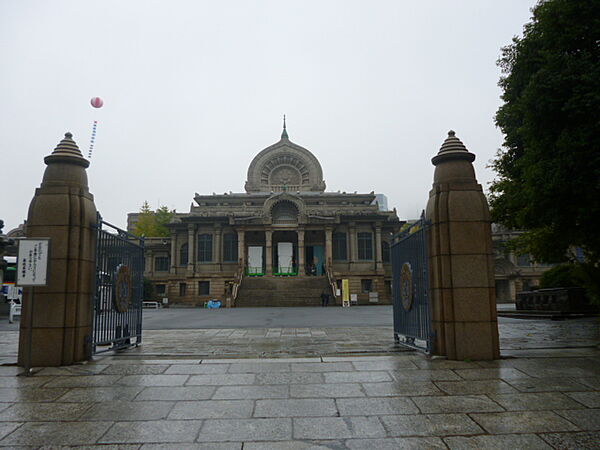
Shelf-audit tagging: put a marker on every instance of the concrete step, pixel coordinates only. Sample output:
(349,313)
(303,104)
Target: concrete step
(281,291)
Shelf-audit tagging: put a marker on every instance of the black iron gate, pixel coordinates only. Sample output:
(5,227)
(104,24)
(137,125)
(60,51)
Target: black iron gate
(410,288)
(118,290)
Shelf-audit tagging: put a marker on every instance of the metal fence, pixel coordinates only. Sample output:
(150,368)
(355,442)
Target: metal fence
(118,289)
(410,288)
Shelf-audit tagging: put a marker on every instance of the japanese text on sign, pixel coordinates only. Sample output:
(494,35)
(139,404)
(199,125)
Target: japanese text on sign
(32,262)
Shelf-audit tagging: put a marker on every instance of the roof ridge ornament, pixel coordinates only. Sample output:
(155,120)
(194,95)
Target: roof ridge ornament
(284,134)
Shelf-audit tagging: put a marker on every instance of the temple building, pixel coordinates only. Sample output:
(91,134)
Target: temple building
(284,241)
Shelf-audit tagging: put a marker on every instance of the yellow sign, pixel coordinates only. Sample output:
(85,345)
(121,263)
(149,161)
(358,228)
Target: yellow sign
(345,293)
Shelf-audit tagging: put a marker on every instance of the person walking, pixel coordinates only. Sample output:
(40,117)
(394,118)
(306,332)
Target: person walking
(324,299)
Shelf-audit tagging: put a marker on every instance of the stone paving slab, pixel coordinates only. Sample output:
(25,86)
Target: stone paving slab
(188,446)
(375,406)
(535,401)
(589,399)
(498,442)
(295,445)
(343,404)
(456,404)
(395,389)
(329,397)
(411,443)
(56,433)
(430,425)
(175,393)
(246,430)
(523,422)
(585,419)
(296,408)
(170,431)
(337,428)
(585,440)
(211,409)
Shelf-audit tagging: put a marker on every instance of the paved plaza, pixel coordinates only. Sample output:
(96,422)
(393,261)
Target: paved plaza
(301,387)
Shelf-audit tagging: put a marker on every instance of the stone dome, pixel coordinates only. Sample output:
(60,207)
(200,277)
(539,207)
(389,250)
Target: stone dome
(285,166)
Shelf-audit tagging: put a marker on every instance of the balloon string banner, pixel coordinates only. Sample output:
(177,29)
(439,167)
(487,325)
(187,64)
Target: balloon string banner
(93,139)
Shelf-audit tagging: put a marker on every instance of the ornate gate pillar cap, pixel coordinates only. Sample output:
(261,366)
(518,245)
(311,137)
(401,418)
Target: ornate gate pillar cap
(67,151)
(451,150)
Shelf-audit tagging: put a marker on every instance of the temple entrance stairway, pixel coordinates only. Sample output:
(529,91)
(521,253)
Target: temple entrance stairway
(282,291)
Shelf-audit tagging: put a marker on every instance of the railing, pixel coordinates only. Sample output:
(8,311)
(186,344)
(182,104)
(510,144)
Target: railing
(118,290)
(410,287)
(565,300)
(255,271)
(331,278)
(286,271)
(237,281)
(285,187)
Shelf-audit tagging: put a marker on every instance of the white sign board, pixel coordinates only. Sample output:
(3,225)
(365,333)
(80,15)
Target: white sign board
(32,262)
(255,260)
(285,252)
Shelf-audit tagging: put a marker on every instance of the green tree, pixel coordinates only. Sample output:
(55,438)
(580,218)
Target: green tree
(153,223)
(162,217)
(148,289)
(548,174)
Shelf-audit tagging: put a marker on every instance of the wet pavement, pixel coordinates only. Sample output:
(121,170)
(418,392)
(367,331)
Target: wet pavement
(342,387)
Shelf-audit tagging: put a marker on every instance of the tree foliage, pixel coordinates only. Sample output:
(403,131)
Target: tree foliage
(148,289)
(549,170)
(153,223)
(561,276)
(574,275)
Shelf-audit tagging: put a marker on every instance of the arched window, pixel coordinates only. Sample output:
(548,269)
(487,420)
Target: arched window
(230,247)
(385,251)
(183,255)
(205,247)
(285,212)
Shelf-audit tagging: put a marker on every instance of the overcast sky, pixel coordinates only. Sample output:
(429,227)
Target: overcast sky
(193,90)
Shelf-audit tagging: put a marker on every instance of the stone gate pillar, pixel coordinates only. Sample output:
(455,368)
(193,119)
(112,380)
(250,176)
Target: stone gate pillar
(463,301)
(63,210)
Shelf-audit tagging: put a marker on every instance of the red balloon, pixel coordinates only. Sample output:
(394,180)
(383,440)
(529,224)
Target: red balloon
(96,102)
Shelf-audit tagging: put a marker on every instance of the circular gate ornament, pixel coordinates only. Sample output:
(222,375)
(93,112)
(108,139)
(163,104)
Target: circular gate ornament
(406,286)
(123,289)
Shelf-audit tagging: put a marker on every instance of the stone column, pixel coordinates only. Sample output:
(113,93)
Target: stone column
(63,210)
(173,258)
(352,244)
(218,246)
(328,246)
(269,252)
(301,268)
(242,246)
(191,248)
(461,259)
(378,255)
(149,267)
(512,290)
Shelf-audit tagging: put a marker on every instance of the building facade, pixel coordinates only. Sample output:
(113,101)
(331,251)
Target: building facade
(285,227)
(513,273)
